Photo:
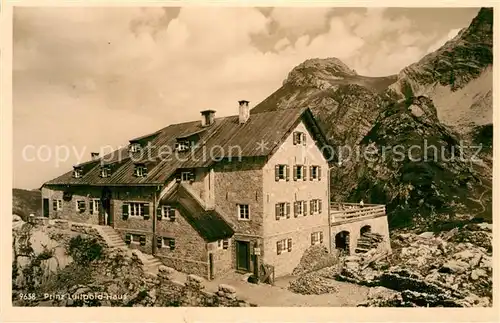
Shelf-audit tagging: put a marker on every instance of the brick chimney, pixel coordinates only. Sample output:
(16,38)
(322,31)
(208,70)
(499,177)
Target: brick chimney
(207,117)
(94,156)
(244,111)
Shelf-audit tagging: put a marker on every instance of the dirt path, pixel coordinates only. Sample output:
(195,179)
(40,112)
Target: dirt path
(277,295)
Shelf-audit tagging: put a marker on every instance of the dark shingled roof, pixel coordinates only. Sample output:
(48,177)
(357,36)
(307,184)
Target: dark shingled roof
(208,223)
(225,138)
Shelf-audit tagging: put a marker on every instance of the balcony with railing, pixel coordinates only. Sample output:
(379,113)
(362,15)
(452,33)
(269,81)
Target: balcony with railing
(341,212)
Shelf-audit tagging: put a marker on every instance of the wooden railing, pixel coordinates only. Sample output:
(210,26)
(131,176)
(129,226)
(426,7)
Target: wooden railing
(347,211)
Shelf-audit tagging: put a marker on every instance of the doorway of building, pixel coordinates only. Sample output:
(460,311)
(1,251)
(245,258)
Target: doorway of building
(243,255)
(45,207)
(342,241)
(106,216)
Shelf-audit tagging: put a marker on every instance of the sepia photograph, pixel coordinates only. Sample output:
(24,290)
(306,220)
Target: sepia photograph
(218,156)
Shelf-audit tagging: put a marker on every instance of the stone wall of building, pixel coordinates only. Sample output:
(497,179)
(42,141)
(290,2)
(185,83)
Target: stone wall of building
(69,209)
(240,182)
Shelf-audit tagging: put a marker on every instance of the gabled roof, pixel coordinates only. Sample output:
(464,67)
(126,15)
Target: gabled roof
(259,136)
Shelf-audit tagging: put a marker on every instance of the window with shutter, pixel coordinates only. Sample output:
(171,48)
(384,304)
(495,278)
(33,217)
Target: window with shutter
(54,205)
(294,172)
(159,242)
(225,244)
(159,213)
(319,206)
(91,207)
(172,244)
(142,240)
(289,245)
(278,247)
(128,238)
(171,214)
(319,173)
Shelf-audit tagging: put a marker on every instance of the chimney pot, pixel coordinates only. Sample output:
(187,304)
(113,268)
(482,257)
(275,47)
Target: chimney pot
(207,117)
(244,111)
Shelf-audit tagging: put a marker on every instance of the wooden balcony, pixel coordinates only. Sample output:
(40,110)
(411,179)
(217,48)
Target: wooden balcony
(340,212)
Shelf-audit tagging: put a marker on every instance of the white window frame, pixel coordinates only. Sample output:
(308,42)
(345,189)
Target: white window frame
(282,206)
(300,207)
(137,207)
(282,176)
(105,172)
(78,204)
(182,145)
(283,244)
(242,209)
(186,176)
(165,211)
(135,147)
(95,205)
(219,244)
(139,170)
(315,206)
(59,205)
(77,173)
(316,237)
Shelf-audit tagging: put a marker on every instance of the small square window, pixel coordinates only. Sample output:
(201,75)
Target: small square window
(80,205)
(140,171)
(186,176)
(135,147)
(243,212)
(77,173)
(314,172)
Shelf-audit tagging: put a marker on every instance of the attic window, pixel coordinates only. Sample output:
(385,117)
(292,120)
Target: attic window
(105,171)
(299,138)
(140,170)
(182,145)
(135,147)
(77,173)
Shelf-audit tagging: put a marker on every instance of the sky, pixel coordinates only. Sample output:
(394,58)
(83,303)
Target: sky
(87,79)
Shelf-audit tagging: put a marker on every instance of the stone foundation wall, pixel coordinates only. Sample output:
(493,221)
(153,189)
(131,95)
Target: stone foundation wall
(187,266)
(377,225)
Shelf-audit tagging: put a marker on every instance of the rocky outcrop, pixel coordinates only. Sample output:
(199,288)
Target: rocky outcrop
(439,270)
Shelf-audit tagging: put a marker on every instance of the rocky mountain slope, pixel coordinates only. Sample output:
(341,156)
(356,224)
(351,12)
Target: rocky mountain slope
(443,100)
(25,202)
(458,77)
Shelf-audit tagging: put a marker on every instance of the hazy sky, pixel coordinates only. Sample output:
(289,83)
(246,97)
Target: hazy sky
(85,78)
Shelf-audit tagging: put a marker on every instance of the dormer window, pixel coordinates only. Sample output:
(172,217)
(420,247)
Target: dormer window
(182,145)
(105,171)
(77,172)
(140,170)
(135,147)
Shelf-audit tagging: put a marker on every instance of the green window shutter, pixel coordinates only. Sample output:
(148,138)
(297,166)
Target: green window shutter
(158,213)
(289,244)
(287,210)
(295,209)
(278,247)
(294,138)
(54,205)
(321,237)
(178,177)
(145,211)
(311,204)
(277,211)
(319,173)
(191,176)
(171,214)
(172,244)
(304,138)
(225,244)
(159,242)
(91,207)
(277,173)
(125,211)
(142,240)
(128,238)
(310,173)
(304,205)
(319,205)
(287,169)
(312,238)
(304,173)
(294,172)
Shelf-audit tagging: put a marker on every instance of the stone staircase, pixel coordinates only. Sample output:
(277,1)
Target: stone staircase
(112,238)
(151,263)
(368,241)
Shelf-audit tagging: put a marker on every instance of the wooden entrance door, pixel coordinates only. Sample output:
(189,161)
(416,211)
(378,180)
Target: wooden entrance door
(45,208)
(243,255)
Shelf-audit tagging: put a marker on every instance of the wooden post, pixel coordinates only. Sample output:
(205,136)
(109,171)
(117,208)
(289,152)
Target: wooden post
(256,262)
